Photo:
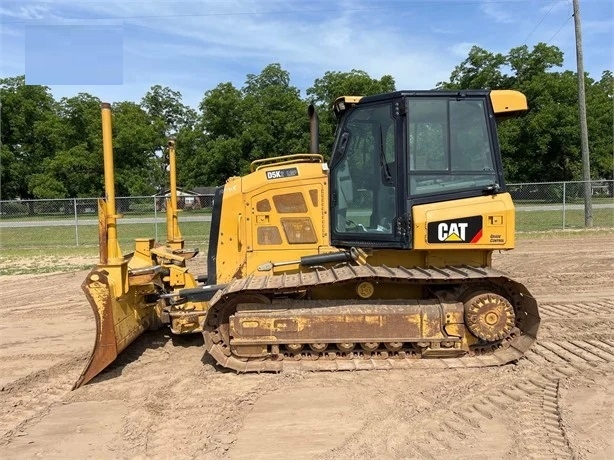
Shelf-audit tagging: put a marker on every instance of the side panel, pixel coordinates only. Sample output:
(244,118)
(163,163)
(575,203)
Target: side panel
(277,213)
(486,222)
(287,215)
(231,247)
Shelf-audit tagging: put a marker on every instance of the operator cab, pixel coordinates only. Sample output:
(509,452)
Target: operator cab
(395,150)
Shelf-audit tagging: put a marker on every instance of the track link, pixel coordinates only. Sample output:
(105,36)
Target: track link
(262,289)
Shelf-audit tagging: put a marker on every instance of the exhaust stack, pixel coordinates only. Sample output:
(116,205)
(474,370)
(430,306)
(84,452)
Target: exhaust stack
(314,129)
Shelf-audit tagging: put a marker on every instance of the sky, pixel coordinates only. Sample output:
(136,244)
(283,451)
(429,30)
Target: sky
(192,46)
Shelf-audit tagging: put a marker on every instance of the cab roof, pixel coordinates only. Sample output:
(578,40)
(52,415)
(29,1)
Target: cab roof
(504,102)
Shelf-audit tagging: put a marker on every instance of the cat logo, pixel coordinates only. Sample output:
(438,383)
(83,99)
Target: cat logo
(465,230)
(452,232)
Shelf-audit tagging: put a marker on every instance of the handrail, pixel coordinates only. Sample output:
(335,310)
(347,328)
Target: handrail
(285,159)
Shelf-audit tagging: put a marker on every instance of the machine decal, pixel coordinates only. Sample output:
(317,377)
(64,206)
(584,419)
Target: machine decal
(282,173)
(465,230)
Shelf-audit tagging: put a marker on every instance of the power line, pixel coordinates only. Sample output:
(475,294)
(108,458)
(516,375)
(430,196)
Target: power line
(560,28)
(540,21)
(264,13)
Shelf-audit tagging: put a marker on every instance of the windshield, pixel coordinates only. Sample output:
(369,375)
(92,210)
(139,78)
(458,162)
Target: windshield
(449,145)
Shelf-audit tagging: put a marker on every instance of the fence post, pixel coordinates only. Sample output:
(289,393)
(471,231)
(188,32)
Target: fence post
(74,200)
(156,217)
(564,198)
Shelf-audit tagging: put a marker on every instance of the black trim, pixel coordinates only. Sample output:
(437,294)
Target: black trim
(395,239)
(450,196)
(393,244)
(214,235)
(424,93)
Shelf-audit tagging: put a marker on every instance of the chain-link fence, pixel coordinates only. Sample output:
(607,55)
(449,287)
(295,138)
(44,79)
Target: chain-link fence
(74,221)
(560,205)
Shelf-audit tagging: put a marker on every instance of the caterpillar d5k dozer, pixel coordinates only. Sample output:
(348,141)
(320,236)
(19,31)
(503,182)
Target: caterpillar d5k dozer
(374,260)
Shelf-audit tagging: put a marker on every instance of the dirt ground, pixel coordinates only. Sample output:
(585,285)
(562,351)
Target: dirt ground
(164,398)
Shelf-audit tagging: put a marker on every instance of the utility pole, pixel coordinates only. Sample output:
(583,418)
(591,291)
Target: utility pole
(586,164)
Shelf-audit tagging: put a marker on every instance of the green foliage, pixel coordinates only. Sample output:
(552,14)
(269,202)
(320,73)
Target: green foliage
(265,118)
(335,84)
(29,135)
(600,119)
(53,149)
(46,187)
(8,163)
(544,144)
(167,116)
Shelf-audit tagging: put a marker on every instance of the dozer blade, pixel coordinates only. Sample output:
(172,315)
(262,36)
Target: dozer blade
(119,321)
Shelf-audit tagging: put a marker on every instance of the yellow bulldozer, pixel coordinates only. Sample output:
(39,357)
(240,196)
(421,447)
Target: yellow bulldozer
(379,258)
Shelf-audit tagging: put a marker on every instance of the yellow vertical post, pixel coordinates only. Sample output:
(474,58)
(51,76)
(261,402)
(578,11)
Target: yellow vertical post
(114,252)
(173,235)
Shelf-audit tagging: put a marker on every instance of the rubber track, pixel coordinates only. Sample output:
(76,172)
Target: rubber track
(512,348)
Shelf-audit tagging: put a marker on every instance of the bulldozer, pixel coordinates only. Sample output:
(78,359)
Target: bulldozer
(379,258)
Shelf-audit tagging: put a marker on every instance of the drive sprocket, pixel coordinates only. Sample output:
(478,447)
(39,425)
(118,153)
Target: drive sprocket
(489,316)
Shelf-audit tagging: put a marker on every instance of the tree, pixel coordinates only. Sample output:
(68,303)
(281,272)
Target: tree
(135,145)
(79,163)
(335,84)
(209,151)
(481,69)
(276,117)
(544,144)
(168,116)
(222,111)
(30,133)
(264,118)
(8,183)
(600,116)
(527,64)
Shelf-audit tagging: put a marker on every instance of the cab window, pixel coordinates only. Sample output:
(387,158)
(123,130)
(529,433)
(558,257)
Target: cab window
(364,174)
(449,145)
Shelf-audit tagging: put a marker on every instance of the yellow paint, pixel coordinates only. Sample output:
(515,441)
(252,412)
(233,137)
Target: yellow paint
(241,196)
(113,250)
(498,222)
(173,234)
(505,101)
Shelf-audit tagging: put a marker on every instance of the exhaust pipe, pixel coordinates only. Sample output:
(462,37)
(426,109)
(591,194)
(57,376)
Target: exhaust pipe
(314,129)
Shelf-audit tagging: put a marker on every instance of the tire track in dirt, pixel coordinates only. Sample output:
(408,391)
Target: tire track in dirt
(532,393)
(195,410)
(537,387)
(29,398)
(531,396)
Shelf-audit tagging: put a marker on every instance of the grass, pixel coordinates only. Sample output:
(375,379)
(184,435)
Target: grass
(40,250)
(36,250)
(559,201)
(577,233)
(529,221)
(33,238)
(20,269)
(44,216)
